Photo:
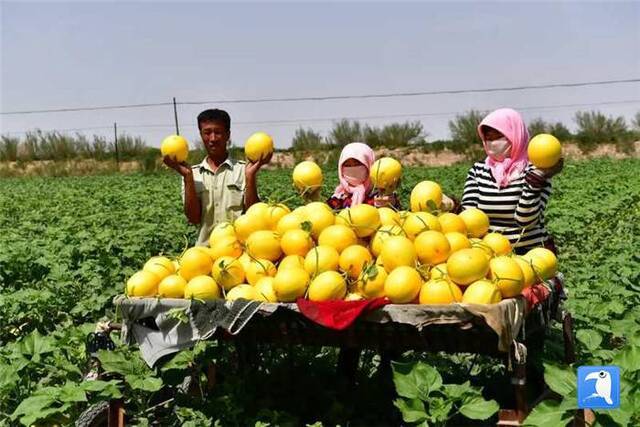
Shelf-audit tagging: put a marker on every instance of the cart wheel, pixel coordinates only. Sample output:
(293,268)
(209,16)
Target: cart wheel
(568,338)
(96,415)
(107,413)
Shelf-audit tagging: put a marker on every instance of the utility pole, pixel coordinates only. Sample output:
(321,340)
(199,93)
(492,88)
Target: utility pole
(115,138)
(175,115)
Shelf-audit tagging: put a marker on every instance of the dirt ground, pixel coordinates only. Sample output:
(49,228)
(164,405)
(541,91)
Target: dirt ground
(407,156)
(65,168)
(413,157)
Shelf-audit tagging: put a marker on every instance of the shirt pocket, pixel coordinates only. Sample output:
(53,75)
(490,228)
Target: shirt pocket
(235,197)
(198,185)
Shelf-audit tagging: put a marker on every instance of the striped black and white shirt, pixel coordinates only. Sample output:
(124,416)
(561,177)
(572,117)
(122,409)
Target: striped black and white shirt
(516,211)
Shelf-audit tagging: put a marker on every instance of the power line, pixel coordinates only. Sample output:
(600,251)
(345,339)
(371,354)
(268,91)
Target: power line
(330,119)
(406,94)
(59,130)
(330,98)
(103,107)
(448,113)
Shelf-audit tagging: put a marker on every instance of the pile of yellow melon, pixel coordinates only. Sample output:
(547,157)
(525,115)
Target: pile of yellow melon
(275,254)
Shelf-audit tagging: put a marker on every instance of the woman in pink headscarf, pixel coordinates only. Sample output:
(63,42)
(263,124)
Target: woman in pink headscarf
(355,187)
(505,186)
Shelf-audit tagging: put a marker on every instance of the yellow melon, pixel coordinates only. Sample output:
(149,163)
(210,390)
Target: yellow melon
(457,241)
(321,259)
(370,284)
(296,242)
(499,244)
(327,286)
(195,262)
(142,284)
(383,233)
(291,261)
(450,222)
(440,291)
(385,173)
(228,272)
(481,292)
(243,291)
(398,251)
(203,288)
(290,284)
(507,275)
(432,247)
(172,286)
(403,285)
(259,268)
(175,147)
(426,196)
(264,244)
(353,259)
(338,236)
(467,265)
(544,151)
(265,290)
(417,222)
(365,219)
(388,216)
(307,176)
(476,221)
(258,146)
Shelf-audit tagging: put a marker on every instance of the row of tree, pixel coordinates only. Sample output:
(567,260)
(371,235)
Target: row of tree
(53,145)
(592,128)
(346,131)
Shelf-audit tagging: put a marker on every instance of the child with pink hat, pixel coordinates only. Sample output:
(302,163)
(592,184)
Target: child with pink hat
(355,186)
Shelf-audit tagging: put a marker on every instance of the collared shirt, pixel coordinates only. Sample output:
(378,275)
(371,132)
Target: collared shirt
(221,194)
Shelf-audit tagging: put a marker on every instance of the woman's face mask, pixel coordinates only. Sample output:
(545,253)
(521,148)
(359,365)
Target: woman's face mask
(499,149)
(355,175)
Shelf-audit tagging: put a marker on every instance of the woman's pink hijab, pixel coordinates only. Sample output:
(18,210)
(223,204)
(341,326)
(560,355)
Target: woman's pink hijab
(365,155)
(508,122)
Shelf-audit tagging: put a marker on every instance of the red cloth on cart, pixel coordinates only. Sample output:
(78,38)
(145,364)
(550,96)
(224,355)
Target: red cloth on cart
(338,314)
(535,294)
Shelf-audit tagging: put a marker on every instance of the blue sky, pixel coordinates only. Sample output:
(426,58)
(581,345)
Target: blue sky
(103,53)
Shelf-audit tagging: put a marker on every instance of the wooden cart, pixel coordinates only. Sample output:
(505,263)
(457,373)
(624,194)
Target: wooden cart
(390,328)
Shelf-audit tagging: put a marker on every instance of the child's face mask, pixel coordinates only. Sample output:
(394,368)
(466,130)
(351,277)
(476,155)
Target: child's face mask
(499,149)
(355,175)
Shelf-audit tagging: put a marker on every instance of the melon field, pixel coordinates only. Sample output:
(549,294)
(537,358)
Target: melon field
(67,246)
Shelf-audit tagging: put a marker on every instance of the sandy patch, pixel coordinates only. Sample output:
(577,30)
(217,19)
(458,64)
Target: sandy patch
(408,156)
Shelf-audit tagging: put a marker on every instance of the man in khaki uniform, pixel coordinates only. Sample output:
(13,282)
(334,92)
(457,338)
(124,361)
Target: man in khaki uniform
(218,189)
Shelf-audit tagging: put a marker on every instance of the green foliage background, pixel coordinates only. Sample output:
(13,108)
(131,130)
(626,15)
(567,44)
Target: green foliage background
(67,246)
